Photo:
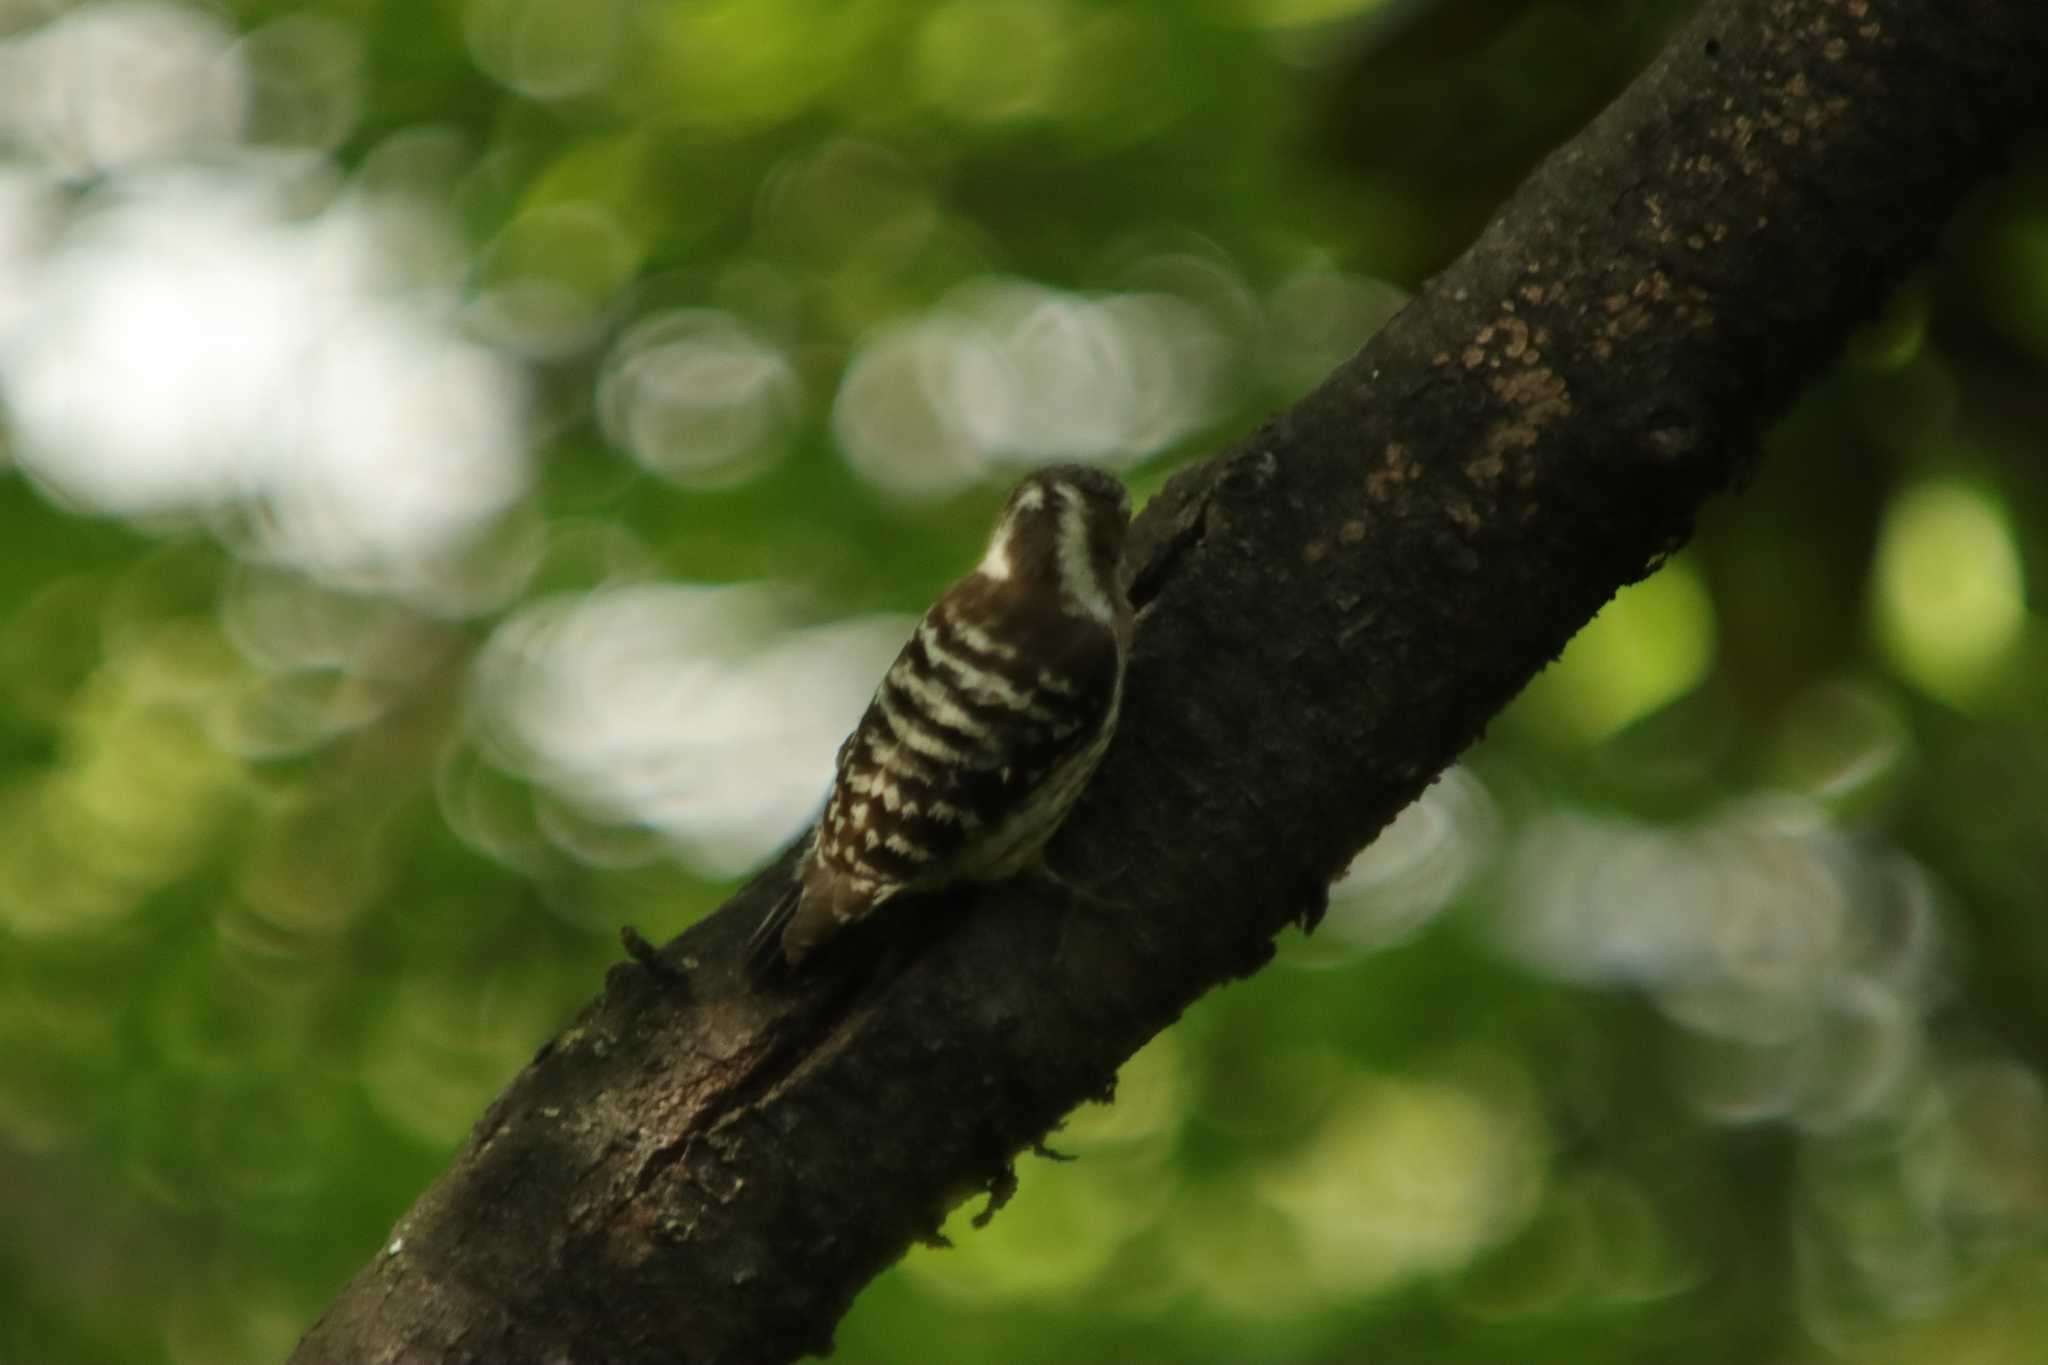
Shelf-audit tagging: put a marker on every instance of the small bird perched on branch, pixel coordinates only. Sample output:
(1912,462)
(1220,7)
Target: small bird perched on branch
(988,725)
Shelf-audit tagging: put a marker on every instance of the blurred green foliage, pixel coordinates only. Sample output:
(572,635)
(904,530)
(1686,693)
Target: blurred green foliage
(1697,1017)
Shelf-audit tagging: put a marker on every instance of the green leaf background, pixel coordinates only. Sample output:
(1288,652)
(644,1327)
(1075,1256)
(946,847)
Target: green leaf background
(463,458)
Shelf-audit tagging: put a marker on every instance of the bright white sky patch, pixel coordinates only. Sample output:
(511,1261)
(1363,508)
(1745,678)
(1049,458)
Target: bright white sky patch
(1008,373)
(208,332)
(108,86)
(1800,963)
(187,343)
(693,711)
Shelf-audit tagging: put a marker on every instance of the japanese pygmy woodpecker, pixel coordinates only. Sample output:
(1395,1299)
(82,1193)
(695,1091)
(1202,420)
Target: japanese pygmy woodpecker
(987,726)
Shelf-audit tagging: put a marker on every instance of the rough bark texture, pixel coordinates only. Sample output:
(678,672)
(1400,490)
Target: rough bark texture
(699,1171)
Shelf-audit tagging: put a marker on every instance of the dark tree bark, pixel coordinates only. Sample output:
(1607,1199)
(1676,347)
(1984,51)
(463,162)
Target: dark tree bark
(699,1171)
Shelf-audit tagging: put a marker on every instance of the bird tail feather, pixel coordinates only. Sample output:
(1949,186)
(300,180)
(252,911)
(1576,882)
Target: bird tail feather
(764,945)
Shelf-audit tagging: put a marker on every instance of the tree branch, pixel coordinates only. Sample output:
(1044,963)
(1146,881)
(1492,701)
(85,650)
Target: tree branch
(697,1171)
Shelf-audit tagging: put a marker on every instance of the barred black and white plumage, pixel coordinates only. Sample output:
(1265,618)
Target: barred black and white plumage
(989,723)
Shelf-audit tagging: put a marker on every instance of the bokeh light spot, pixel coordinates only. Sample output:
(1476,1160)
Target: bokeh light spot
(748,63)
(439,1050)
(992,62)
(1053,1238)
(549,49)
(1242,1257)
(1950,602)
(1006,373)
(108,86)
(366,440)
(699,399)
(1841,740)
(1649,646)
(694,711)
(1414,1175)
(1598,1244)
(305,82)
(553,274)
(1416,865)
(1152,1097)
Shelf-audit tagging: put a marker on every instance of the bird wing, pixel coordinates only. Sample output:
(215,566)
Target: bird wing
(983,705)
